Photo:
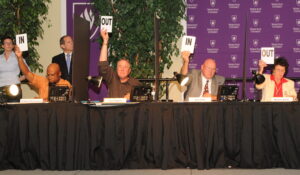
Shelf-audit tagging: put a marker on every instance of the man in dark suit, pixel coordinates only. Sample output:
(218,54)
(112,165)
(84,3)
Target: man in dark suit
(64,60)
(203,82)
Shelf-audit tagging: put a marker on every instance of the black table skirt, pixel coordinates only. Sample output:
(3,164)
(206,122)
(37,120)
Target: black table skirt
(67,136)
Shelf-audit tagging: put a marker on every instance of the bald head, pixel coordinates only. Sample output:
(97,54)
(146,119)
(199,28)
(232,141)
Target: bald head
(208,68)
(53,73)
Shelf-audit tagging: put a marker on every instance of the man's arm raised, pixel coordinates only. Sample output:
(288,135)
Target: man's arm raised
(22,65)
(103,53)
(185,66)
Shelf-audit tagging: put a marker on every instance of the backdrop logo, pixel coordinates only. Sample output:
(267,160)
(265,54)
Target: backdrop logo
(276,18)
(298,62)
(192,4)
(234,18)
(234,44)
(233,58)
(277,4)
(277,44)
(277,23)
(213,3)
(252,90)
(213,23)
(255,42)
(255,28)
(87,14)
(233,75)
(298,3)
(255,62)
(212,28)
(233,38)
(212,43)
(234,4)
(191,18)
(298,42)
(298,22)
(255,3)
(255,22)
(276,38)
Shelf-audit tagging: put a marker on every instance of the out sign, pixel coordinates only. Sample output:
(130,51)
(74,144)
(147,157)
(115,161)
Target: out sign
(268,54)
(106,23)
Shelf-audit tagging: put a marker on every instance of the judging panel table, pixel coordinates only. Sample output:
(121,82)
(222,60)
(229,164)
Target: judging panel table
(68,136)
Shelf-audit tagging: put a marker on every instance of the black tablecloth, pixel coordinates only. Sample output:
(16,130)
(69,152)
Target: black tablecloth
(67,136)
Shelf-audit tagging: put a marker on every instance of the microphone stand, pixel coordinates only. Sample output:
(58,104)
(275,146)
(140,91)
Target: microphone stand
(167,80)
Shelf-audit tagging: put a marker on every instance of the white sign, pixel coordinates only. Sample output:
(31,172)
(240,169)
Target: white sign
(21,41)
(31,100)
(282,99)
(199,99)
(106,23)
(267,54)
(114,100)
(188,43)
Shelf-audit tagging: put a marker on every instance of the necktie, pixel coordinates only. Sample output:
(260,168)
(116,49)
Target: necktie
(206,87)
(68,62)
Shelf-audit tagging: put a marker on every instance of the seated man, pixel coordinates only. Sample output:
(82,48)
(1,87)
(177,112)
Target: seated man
(39,82)
(204,82)
(275,85)
(119,83)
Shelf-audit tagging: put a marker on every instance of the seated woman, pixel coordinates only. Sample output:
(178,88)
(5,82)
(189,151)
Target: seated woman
(275,85)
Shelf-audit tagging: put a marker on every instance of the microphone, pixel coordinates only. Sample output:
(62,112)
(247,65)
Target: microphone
(96,80)
(182,79)
(258,78)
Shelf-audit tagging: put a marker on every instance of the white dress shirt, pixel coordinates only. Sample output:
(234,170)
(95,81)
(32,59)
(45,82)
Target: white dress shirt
(203,85)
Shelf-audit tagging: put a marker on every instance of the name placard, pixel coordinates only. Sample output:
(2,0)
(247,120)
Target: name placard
(114,100)
(199,99)
(106,23)
(188,43)
(31,100)
(282,99)
(21,41)
(267,54)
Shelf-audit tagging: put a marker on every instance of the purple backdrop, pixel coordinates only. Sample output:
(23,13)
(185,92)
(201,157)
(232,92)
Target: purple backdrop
(223,26)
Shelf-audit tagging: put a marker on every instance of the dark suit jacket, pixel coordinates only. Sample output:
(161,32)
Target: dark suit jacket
(61,61)
(194,85)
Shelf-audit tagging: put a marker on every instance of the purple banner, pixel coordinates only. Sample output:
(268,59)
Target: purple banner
(83,9)
(226,30)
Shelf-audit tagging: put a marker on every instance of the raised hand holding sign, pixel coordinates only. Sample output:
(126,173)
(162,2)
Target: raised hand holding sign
(106,23)
(21,41)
